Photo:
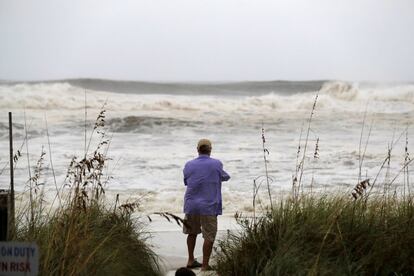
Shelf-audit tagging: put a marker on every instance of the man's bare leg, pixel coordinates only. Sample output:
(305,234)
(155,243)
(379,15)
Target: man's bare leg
(207,248)
(191,242)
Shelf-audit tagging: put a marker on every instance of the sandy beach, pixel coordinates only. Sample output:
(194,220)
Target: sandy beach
(169,243)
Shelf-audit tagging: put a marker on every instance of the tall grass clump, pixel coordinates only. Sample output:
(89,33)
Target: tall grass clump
(307,233)
(84,234)
(324,236)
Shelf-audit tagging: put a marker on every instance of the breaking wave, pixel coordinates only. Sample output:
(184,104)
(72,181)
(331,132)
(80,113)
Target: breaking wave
(334,96)
(352,92)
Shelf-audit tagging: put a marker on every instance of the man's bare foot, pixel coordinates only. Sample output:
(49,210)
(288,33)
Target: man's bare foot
(190,262)
(206,268)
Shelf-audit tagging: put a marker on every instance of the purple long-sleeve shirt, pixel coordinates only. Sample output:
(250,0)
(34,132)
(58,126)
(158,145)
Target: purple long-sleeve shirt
(203,176)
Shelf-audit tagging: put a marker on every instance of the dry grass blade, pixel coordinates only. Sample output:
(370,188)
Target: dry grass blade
(316,152)
(265,153)
(168,216)
(51,164)
(302,161)
(406,170)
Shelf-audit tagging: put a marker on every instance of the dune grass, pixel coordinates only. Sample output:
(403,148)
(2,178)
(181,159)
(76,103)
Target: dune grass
(327,234)
(324,236)
(80,232)
(91,241)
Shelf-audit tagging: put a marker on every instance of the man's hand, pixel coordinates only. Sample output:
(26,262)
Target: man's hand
(224,176)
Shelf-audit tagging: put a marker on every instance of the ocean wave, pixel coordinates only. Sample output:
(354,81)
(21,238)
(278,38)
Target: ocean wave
(334,96)
(44,96)
(352,92)
(340,90)
(140,123)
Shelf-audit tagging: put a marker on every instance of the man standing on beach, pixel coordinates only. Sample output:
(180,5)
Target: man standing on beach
(202,201)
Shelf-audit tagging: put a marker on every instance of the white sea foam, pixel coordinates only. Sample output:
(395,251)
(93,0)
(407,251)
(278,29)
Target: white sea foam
(154,135)
(335,96)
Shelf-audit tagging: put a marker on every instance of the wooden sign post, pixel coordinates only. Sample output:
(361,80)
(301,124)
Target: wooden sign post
(11,222)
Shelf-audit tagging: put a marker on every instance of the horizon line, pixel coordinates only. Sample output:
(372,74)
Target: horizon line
(192,81)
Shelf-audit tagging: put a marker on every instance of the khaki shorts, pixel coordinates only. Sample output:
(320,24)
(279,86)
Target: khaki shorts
(196,224)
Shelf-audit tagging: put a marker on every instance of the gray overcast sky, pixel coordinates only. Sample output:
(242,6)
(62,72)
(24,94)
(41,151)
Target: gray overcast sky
(207,40)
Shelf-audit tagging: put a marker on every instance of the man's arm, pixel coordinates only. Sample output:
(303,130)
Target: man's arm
(185,173)
(224,176)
